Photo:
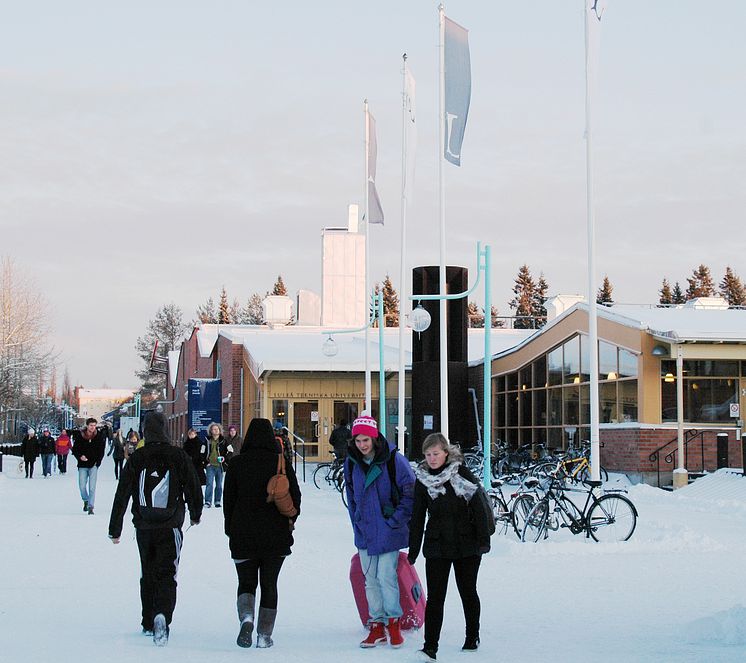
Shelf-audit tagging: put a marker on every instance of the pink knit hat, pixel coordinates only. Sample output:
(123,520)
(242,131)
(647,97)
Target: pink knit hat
(365,425)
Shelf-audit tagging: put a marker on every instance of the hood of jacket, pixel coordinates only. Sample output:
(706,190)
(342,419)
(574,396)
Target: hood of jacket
(260,435)
(383,448)
(154,429)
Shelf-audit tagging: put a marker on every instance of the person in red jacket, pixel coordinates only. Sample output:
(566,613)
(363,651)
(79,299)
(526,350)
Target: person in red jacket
(62,447)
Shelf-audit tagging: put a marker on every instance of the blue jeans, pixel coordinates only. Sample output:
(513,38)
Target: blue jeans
(381,585)
(87,484)
(46,463)
(214,473)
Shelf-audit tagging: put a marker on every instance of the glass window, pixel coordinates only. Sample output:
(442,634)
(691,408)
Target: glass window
(585,359)
(554,367)
(709,400)
(540,372)
(526,407)
(709,368)
(628,400)
(555,406)
(499,409)
(607,366)
(585,403)
(511,437)
(628,364)
(540,407)
(540,436)
(668,400)
(511,404)
(555,438)
(524,377)
(571,364)
(280,412)
(607,402)
(511,381)
(499,383)
(572,406)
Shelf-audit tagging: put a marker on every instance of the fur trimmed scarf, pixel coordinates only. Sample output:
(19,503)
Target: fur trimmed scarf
(436,483)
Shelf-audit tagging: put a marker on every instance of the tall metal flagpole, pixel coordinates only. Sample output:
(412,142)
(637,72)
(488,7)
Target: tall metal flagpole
(368,387)
(402,260)
(442,264)
(592,309)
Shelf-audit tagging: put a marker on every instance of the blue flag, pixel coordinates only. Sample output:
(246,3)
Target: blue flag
(457,88)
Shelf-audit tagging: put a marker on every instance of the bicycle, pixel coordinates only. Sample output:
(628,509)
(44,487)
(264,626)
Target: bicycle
(574,466)
(610,517)
(513,511)
(329,472)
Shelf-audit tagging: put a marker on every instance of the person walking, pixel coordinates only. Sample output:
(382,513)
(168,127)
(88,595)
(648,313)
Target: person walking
(379,484)
(195,448)
(62,447)
(259,536)
(216,455)
(116,451)
(233,441)
(456,536)
(89,445)
(30,451)
(46,449)
(340,439)
(160,479)
(131,444)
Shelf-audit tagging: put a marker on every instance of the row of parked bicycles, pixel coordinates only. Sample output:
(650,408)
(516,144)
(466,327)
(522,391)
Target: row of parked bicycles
(533,494)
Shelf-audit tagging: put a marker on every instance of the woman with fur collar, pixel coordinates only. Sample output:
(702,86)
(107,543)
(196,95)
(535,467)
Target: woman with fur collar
(454,537)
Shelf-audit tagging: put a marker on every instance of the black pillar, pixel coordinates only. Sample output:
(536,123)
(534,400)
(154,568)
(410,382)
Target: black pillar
(426,360)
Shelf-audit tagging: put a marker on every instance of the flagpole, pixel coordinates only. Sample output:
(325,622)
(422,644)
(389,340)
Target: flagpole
(368,387)
(402,260)
(592,309)
(442,264)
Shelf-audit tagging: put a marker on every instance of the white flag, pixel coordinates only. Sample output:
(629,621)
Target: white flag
(457,88)
(410,133)
(374,202)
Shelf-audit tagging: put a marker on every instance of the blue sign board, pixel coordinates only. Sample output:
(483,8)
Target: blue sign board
(205,403)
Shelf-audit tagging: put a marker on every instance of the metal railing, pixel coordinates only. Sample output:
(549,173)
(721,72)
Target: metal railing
(302,443)
(670,457)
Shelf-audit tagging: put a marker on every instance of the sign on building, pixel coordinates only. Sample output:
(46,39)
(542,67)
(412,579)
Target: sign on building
(205,403)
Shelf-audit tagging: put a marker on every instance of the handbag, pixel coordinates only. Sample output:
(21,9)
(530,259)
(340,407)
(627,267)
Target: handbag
(278,490)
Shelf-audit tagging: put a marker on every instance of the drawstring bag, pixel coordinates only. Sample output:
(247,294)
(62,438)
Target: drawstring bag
(278,490)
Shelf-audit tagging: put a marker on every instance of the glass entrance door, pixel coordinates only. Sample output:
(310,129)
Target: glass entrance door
(306,425)
(344,410)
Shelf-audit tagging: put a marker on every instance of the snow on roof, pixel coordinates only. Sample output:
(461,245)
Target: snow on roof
(299,348)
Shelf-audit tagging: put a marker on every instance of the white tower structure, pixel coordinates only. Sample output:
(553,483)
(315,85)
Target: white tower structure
(343,300)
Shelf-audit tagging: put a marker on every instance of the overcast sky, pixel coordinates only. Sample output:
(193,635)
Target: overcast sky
(152,152)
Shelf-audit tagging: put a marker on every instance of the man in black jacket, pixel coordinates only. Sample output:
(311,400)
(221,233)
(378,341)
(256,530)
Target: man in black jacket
(159,478)
(88,448)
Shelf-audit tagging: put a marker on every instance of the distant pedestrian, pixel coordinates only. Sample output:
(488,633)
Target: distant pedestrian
(159,478)
(283,442)
(46,449)
(89,445)
(379,484)
(116,451)
(259,536)
(131,444)
(340,439)
(63,444)
(216,455)
(234,441)
(30,451)
(456,536)
(194,447)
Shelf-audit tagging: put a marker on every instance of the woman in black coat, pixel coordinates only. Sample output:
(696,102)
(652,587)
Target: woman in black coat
(260,537)
(456,535)
(194,447)
(30,451)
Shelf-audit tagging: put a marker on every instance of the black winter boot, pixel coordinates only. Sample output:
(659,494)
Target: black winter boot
(264,627)
(245,605)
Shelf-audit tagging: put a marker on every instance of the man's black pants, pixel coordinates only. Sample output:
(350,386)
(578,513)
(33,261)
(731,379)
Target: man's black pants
(159,562)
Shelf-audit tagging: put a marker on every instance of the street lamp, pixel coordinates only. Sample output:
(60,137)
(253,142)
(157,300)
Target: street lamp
(420,319)
(329,348)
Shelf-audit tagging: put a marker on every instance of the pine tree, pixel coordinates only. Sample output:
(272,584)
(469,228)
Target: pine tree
(474,316)
(252,313)
(496,322)
(390,303)
(540,301)
(235,311)
(677,296)
(279,288)
(524,300)
(168,328)
(700,283)
(206,312)
(666,296)
(604,293)
(224,312)
(732,289)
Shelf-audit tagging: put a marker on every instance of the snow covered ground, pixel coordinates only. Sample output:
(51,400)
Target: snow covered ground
(674,592)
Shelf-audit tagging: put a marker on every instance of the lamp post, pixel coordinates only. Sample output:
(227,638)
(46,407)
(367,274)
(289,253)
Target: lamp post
(422,322)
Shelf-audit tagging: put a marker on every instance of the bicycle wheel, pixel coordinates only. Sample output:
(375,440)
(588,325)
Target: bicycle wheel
(319,474)
(521,508)
(612,518)
(535,527)
(585,475)
(500,512)
(473,463)
(343,491)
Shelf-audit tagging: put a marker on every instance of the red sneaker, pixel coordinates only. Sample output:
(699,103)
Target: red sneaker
(395,637)
(377,636)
